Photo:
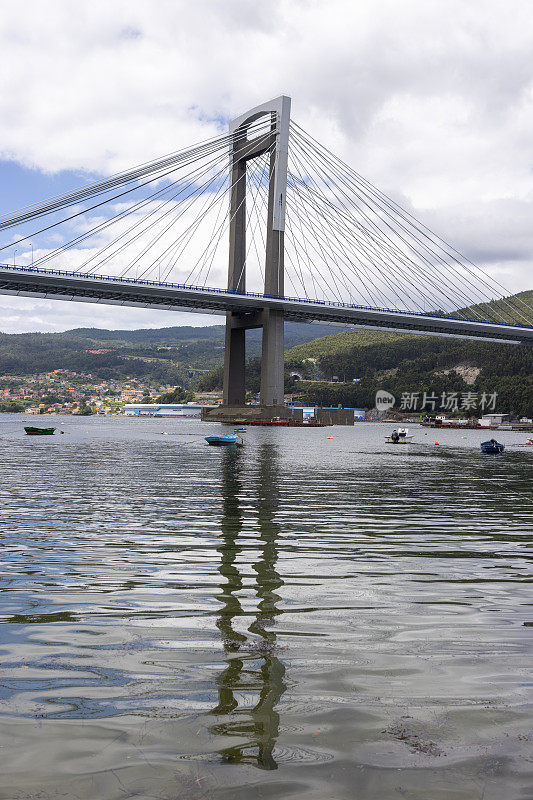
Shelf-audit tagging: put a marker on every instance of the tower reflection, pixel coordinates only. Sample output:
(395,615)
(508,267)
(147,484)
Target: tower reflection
(252,683)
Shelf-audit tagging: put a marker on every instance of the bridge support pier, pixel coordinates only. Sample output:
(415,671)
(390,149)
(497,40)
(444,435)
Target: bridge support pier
(234,364)
(272,360)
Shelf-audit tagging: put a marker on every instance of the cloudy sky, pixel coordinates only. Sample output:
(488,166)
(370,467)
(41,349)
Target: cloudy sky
(431,100)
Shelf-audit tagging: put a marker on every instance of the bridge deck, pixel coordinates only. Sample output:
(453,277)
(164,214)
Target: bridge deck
(59,285)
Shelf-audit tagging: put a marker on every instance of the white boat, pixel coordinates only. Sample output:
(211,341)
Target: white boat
(399,436)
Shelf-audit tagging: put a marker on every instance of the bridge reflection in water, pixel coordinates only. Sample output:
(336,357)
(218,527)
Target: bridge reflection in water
(253,673)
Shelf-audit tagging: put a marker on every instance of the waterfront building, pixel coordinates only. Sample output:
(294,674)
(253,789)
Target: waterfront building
(493,419)
(165,409)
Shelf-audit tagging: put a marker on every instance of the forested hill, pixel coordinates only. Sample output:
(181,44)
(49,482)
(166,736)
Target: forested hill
(402,363)
(515,309)
(411,363)
(163,354)
(416,364)
(397,362)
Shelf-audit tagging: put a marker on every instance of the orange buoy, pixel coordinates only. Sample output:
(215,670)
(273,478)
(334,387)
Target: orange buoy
(436,443)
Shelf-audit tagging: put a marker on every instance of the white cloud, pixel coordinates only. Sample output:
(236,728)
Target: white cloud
(22,314)
(430,99)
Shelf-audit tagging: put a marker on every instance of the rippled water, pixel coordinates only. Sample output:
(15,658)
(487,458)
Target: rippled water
(302,617)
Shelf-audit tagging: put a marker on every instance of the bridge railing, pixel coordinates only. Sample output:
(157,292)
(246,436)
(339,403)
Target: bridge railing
(258,295)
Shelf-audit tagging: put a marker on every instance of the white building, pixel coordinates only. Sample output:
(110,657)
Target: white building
(487,420)
(164,409)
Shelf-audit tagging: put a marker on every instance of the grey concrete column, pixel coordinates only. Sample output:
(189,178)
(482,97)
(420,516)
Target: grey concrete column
(272,359)
(235,348)
(234,365)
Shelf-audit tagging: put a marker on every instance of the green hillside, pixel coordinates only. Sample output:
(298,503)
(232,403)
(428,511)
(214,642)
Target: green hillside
(163,355)
(515,309)
(410,363)
(342,342)
(401,363)
(512,310)
(318,354)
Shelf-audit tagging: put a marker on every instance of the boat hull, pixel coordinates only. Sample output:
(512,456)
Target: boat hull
(492,447)
(221,441)
(40,431)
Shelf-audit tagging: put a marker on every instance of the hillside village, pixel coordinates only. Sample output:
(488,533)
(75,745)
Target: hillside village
(65,392)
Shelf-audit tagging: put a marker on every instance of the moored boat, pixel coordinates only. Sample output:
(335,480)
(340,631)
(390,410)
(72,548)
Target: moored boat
(492,446)
(31,431)
(232,438)
(400,436)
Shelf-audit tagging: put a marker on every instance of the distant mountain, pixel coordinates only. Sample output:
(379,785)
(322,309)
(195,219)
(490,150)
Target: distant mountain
(163,354)
(295,333)
(412,364)
(143,335)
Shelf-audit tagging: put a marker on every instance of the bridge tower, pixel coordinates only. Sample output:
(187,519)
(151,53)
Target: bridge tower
(243,149)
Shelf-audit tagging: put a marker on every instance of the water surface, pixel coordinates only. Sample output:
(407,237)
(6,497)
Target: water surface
(303,617)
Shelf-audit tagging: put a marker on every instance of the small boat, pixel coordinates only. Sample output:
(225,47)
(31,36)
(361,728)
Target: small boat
(400,436)
(232,438)
(239,430)
(492,446)
(39,431)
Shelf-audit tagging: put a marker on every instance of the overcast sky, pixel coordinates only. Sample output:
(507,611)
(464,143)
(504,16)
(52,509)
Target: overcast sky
(430,100)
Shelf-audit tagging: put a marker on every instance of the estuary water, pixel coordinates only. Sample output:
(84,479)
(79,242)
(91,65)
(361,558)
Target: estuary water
(302,617)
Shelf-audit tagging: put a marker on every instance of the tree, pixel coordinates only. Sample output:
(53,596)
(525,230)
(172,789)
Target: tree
(12,406)
(177,395)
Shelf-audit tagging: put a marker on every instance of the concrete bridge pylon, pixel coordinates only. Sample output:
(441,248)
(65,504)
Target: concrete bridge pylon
(276,142)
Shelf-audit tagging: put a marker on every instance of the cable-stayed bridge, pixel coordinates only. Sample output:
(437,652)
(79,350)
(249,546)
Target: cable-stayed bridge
(261,224)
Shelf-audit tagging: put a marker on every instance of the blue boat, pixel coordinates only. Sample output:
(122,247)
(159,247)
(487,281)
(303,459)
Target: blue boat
(492,446)
(232,438)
